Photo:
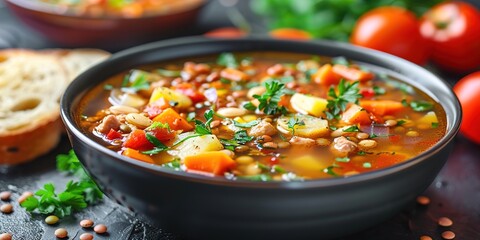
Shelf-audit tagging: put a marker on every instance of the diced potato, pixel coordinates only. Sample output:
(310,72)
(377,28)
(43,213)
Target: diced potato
(312,127)
(308,163)
(429,119)
(308,104)
(195,145)
(182,100)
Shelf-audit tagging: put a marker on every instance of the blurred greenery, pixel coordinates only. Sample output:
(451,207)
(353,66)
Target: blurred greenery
(330,19)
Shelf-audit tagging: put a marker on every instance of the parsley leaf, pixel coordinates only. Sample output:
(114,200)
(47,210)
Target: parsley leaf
(139,82)
(347,92)
(353,128)
(421,106)
(247,124)
(159,146)
(292,122)
(227,60)
(242,137)
(270,98)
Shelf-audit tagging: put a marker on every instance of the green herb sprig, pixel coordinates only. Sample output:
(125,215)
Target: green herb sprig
(347,93)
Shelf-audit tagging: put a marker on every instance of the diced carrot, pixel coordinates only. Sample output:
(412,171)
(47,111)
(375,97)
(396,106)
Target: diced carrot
(132,153)
(215,162)
(326,76)
(352,74)
(174,120)
(356,114)
(382,107)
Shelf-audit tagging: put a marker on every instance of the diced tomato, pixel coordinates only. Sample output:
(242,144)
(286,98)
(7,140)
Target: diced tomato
(156,107)
(188,90)
(367,93)
(274,160)
(138,141)
(113,134)
(352,74)
(162,134)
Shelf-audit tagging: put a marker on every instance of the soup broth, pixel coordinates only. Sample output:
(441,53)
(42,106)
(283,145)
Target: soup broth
(262,116)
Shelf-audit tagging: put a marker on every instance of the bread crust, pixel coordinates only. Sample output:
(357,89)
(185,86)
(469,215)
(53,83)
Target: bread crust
(31,84)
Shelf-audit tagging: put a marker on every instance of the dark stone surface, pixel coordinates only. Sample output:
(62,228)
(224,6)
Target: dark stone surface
(455,193)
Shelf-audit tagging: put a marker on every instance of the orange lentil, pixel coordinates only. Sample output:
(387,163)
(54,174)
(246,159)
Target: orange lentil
(86,223)
(445,222)
(5,236)
(86,236)
(424,237)
(6,208)
(5,195)
(61,233)
(448,235)
(24,196)
(423,200)
(100,228)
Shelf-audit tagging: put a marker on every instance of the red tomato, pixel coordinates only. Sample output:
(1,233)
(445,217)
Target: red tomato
(454,30)
(138,141)
(162,134)
(290,33)
(226,32)
(393,30)
(113,134)
(467,91)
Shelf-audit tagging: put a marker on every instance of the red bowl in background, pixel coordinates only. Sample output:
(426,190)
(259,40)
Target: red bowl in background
(62,26)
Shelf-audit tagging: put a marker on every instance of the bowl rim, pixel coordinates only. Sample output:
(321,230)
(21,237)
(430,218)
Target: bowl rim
(451,129)
(49,8)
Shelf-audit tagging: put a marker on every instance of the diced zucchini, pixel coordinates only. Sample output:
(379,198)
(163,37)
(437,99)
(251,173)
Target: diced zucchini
(308,104)
(176,99)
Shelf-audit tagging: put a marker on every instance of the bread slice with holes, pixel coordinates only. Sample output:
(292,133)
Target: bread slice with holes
(31,84)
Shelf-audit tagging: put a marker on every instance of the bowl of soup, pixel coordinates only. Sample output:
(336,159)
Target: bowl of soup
(107,24)
(259,138)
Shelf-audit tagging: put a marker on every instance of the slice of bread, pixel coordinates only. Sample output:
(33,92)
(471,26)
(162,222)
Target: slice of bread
(31,84)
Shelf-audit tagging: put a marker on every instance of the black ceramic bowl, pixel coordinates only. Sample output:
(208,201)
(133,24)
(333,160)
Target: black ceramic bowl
(215,208)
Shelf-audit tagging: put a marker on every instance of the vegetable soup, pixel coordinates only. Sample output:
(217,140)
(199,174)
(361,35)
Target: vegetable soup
(262,116)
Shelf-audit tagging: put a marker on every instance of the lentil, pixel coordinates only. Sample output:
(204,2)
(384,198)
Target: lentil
(423,200)
(86,236)
(241,148)
(445,222)
(412,134)
(390,123)
(100,228)
(362,135)
(266,138)
(283,144)
(5,236)
(424,237)
(367,144)
(61,233)
(252,169)
(270,145)
(6,208)
(86,223)
(52,219)
(5,195)
(244,160)
(448,235)
(322,142)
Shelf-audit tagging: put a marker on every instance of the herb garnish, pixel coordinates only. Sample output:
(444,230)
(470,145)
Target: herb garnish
(227,60)
(421,106)
(168,73)
(347,93)
(353,128)
(242,137)
(269,99)
(343,159)
(292,122)
(379,90)
(76,196)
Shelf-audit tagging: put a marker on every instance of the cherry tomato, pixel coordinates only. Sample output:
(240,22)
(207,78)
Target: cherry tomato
(467,91)
(393,30)
(226,32)
(290,33)
(454,31)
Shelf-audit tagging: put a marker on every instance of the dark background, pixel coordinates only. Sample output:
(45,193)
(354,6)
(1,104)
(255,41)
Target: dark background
(455,193)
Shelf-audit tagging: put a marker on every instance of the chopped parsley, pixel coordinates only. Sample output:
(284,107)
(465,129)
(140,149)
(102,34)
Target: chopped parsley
(367,165)
(227,60)
(76,196)
(347,93)
(421,106)
(292,122)
(329,170)
(168,73)
(242,137)
(434,124)
(269,99)
(353,128)
(258,178)
(344,159)
(401,122)
(379,90)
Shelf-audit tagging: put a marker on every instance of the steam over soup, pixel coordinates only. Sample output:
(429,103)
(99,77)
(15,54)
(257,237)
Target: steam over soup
(263,116)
